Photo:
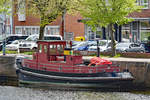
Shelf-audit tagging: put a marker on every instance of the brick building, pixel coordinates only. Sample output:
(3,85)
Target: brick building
(138,30)
(26,24)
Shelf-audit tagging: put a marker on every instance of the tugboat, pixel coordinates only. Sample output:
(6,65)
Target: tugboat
(55,64)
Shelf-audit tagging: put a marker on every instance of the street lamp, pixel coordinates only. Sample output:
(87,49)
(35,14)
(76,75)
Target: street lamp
(98,49)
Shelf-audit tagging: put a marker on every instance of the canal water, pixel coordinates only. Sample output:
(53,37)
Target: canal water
(21,93)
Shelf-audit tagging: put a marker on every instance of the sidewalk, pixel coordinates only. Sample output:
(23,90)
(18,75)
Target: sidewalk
(13,55)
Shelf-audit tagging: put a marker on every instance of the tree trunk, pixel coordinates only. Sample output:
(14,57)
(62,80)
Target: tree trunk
(113,43)
(41,36)
(42,27)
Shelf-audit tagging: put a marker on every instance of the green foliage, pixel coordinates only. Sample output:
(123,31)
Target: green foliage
(102,13)
(28,53)
(15,52)
(47,10)
(10,52)
(117,55)
(5,7)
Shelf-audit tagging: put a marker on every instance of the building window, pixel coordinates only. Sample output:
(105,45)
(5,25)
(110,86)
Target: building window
(52,30)
(69,35)
(92,35)
(33,31)
(145,24)
(21,10)
(8,29)
(27,30)
(145,30)
(1,28)
(98,34)
(143,3)
(18,30)
(126,35)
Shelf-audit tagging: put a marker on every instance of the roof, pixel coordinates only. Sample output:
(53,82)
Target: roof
(51,41)
(144,14)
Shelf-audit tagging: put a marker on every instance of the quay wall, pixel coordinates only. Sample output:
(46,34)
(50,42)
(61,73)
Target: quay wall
(7,66)
(139,69)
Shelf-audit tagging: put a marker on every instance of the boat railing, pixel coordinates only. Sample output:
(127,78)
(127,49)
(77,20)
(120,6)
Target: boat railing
(71,69)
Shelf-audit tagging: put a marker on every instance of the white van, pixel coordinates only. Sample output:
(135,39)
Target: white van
(30,42)
(46,37)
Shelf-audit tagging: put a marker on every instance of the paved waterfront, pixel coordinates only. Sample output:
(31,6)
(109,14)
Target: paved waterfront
(89,57)
(17,93)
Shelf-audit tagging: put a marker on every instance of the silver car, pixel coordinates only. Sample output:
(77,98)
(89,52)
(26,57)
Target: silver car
(130,47)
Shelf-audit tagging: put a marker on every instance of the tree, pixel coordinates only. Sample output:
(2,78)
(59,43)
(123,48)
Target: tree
(47,10)
(5,6)
(5,9)
(103,13)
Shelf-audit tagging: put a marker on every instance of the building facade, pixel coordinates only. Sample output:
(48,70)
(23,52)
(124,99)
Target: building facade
(27,24)
(139,29)
(136,31)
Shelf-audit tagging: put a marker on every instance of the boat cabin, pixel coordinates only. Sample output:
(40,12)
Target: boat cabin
(56,51)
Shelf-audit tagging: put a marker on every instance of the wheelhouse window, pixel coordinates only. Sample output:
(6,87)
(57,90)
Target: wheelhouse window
(60,49)
(56,49)
(45,48)
(40,48)
(52,49)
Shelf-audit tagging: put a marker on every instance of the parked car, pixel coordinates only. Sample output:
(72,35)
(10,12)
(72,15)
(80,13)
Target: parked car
(83,45)
(86,46)
(30,42)
(103,45)
(130,47)
(12,38)
(79,45)
(14,45)
(146,46)
(75,43)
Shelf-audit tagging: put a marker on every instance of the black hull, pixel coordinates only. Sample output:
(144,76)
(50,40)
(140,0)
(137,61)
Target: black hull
(39,78)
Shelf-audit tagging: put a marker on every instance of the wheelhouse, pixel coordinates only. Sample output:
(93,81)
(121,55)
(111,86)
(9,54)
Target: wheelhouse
(56,51)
